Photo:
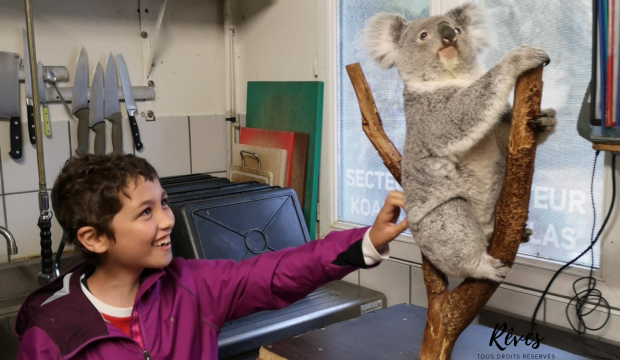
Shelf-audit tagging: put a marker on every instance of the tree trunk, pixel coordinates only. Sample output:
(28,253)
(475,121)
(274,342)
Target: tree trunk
(450,312)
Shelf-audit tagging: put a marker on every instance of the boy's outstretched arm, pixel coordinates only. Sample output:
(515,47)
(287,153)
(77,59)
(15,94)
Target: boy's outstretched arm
(276,279)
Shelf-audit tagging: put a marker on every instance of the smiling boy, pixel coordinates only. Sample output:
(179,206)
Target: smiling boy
(130,299)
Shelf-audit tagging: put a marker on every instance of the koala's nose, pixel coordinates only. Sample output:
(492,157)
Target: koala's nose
(448,35)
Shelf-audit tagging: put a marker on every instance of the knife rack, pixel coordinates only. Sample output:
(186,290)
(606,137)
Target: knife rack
(61,72)
(139,93)
(62,75)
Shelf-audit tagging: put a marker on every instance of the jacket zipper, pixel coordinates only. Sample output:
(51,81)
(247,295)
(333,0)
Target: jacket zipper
(146,355)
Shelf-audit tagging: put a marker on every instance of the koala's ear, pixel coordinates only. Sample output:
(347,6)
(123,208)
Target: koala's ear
(471,18)
(381,36)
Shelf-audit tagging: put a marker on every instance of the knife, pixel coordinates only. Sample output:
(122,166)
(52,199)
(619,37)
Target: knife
(43,98)
(97,123)
(9,99)
(79,101)
(112,108)
(28,82)
(130,103)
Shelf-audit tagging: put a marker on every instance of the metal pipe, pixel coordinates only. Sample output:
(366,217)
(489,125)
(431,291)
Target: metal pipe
(47,273)
(35,96)
(11,246)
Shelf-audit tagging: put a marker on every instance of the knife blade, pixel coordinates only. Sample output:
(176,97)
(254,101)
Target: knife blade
(130,103)
(28,83)
(43,99)
(112,107)
(9,99)
(79,101)
(97,123)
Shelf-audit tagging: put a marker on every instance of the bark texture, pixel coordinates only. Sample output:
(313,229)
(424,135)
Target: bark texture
(450,312)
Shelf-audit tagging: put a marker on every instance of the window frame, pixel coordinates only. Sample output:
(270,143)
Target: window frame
(528,273)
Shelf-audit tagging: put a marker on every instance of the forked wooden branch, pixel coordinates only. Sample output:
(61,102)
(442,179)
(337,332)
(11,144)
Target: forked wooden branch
(450,312)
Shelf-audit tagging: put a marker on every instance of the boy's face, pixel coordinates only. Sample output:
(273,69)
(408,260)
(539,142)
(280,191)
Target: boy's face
(142,228)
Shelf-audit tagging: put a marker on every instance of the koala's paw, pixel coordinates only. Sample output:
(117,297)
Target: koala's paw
(526,58)
(545,122)
(526,235)
(492,269)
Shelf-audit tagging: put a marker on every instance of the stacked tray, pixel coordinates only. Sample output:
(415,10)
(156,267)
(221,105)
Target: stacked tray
(217,219)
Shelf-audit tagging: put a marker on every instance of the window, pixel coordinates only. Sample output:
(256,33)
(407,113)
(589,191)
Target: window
(363,179)
(561,213)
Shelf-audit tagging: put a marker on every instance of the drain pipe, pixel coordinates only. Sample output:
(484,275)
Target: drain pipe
(45,218)
(231,88)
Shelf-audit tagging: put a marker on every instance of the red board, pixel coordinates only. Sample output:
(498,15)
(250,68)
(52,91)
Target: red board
(273,139)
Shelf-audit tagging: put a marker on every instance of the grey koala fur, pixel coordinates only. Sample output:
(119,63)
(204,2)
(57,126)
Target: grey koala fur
(458,121)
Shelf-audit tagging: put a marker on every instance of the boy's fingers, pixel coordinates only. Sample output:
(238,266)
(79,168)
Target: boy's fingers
(403,225)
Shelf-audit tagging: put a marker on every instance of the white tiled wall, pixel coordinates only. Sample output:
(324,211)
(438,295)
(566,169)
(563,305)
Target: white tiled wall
(353,278)
(505,299)
(189,78)
(22,175)
(166,146)
(556,314)
(418,290)
(22,214)
(391,278)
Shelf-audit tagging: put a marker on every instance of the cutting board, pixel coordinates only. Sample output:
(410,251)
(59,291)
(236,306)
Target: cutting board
(300,163)
(239,174)
(295,106)
(272,139)
(295,143)
(271,160)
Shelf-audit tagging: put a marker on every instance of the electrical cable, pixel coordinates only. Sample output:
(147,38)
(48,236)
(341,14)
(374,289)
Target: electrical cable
(583,296)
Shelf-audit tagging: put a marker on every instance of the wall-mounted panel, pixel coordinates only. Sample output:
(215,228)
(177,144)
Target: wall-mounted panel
(166,144)
(208,139)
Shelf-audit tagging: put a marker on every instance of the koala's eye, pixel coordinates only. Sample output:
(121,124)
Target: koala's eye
(458,31)
(423,35)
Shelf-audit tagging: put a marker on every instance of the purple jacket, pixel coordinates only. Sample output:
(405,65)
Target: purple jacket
(182,307)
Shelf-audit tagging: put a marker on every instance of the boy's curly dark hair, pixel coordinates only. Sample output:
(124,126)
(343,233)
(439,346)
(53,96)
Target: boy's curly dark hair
(88,192)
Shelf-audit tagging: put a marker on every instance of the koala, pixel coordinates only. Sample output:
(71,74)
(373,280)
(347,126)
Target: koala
(457,126)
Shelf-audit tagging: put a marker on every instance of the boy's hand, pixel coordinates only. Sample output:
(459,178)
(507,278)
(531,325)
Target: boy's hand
(385,228)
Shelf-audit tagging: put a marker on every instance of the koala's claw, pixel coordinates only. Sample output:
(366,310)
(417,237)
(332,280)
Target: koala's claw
(544,122)
(526,235)
(526,58)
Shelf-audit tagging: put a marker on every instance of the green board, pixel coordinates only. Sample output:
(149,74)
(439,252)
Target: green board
(292,106)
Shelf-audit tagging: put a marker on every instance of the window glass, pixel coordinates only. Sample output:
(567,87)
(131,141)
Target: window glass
(561,213)
(363,179)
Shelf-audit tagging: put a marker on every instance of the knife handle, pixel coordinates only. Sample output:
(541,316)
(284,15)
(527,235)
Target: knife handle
(46,121)
(15,131)
(117,133)
(135,133)
(31,134)
(82,131)
(99,130)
